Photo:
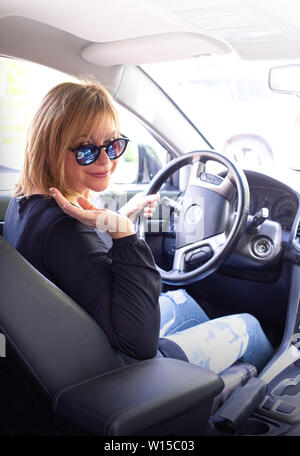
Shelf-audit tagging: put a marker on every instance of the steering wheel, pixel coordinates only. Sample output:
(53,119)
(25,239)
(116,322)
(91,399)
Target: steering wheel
(206,230)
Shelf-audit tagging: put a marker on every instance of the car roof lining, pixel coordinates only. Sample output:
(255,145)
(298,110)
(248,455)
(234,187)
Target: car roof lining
(54,48)
(125,83)
(254,29)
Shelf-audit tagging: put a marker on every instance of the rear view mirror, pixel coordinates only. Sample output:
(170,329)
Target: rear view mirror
(285,79)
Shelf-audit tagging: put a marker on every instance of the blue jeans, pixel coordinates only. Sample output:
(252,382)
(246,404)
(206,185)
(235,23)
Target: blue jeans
(212,344)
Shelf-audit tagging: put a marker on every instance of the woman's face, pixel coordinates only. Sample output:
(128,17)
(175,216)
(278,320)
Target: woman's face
(95,176)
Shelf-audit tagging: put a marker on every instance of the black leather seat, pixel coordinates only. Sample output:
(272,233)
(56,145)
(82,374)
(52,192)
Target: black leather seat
(82,377)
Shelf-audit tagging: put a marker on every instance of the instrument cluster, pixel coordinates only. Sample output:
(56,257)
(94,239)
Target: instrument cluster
(282,206)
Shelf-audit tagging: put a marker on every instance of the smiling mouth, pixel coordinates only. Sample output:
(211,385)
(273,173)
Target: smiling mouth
(100,175)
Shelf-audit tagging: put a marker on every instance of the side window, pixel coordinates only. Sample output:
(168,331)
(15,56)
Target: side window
(22,87)
(144,156)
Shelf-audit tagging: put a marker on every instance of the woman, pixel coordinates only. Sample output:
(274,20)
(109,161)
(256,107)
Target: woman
(73,147)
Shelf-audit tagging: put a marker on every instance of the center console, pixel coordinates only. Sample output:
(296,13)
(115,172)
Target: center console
(279,411)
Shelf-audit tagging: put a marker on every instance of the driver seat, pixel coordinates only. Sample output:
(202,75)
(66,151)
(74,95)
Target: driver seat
(87,389)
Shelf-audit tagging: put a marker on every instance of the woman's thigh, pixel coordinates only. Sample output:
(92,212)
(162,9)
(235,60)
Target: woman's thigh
(179,311)
(217,344)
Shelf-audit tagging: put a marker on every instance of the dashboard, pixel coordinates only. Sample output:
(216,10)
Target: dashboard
(267,192)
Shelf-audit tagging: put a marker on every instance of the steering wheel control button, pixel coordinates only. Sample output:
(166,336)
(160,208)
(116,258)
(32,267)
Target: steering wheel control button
(262,247)
(196,257)
(269,402)
(211,178)
(285,407)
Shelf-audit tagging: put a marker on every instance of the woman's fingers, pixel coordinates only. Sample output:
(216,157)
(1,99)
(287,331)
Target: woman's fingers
(58,196)
(88,218)
(138,203)
(63,203)
(151,204)
(86,204)
(102,219)
(153,198)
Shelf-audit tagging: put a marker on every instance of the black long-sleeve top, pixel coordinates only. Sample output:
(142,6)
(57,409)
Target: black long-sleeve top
(119,287)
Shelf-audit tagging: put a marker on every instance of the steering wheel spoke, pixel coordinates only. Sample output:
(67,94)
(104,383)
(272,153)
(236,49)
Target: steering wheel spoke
(198,252)
(201,178)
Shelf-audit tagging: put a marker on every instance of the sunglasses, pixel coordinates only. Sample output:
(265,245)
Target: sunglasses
(86,154)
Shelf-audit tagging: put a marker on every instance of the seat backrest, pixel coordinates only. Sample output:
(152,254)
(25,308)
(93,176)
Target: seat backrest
(56,339)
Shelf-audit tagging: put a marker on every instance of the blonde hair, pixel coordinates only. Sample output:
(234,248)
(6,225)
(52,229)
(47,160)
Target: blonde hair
(67,109)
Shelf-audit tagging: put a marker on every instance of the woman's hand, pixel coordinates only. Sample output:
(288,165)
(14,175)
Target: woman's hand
(117,225)
(139,202)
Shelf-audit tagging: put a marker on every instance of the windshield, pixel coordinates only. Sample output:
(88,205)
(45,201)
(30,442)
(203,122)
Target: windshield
(230,102)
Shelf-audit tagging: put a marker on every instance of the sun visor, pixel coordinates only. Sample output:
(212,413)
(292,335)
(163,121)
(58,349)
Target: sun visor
(154,48)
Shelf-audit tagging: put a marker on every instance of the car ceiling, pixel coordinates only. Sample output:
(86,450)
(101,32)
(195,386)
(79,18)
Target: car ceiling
(142,31)
(106,38)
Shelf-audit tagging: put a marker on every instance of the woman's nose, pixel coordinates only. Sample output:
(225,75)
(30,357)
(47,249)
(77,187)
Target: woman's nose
(103,157)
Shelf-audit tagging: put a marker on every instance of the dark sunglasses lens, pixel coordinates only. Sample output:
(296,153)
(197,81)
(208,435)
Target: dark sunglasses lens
(116,148)
(86,155)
